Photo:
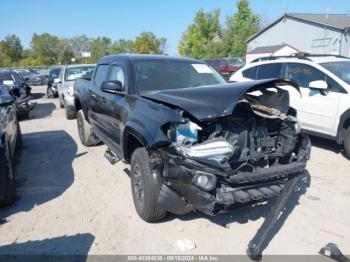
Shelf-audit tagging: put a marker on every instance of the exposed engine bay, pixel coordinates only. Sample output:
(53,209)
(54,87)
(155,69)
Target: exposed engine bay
(234,159)
(262,132)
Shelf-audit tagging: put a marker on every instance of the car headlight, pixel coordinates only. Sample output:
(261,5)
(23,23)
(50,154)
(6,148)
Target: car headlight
(184,133)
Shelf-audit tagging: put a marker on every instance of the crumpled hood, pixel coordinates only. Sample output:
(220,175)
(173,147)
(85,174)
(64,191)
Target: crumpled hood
(208,102)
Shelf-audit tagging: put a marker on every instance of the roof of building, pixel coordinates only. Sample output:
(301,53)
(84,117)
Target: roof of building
(268,49)
(336,21)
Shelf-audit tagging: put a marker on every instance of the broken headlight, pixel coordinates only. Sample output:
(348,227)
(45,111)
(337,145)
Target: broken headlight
(184,133)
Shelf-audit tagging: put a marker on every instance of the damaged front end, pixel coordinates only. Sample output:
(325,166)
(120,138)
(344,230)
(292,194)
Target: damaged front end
(234,159)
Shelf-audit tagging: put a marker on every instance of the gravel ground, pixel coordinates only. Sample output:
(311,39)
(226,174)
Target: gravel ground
(72,201)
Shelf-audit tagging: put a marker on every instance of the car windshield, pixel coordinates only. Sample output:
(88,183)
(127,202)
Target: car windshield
(340,68)
(165,75)
(73,73)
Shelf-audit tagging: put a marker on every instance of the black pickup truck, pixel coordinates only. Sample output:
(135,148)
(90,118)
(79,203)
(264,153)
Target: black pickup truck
(194,142)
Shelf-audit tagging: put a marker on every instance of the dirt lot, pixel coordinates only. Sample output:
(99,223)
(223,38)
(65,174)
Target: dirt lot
(72,201)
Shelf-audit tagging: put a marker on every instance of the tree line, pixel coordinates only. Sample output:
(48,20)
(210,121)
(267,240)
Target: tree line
(207,38)
(47,49)
(204,38)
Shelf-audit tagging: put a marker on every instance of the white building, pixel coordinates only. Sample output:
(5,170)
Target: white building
(312,33)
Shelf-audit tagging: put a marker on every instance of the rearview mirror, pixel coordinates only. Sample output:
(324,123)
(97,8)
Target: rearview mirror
(318,84)
(112,87)
(6,100)
(57,81)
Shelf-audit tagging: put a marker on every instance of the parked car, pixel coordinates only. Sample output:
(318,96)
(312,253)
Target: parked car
(10,140)
(30,77)
(17,87)
(324,107)
(226,66)
(65,83)
(190,149)
(53,74)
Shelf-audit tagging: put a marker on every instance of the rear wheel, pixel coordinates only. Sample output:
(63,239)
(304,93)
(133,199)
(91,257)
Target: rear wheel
(49,92)
(70,114)
(87,137)
(61,103)
(145,187)
(7,176)
(347,142)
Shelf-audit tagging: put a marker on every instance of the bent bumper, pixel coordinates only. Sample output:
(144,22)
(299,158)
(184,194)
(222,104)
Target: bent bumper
(179,193)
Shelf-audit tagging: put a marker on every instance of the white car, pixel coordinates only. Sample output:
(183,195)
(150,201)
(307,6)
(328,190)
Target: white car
(324,80)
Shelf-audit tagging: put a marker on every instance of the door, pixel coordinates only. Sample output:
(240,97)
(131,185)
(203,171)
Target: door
(317,109)
(95,98)
(113,108)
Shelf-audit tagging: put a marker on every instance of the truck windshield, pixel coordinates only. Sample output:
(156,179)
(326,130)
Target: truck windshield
(165,75)
(73,73)
(340,68)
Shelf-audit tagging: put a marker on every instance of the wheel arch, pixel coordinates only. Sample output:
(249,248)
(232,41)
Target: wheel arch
(344,123)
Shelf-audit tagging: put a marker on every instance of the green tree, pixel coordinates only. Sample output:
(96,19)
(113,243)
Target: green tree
(202,39)
(46,48)
(66,52)
(100,46)
(11,49)
(78,45)
(240,26)
(122,46)
(148,43)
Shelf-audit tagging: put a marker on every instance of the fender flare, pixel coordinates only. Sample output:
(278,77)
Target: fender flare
(344,120)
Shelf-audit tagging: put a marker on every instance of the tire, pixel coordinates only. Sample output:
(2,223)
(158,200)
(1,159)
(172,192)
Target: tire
(7,175)
(49,92)
(347,142)
(70,114)
(87,137)
(19,139)
(61,103)
(145,188)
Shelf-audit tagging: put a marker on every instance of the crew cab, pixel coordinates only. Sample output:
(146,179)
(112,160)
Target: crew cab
(324,80)
(194,142)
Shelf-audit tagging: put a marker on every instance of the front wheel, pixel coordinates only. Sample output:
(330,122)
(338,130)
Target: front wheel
(87,137)
(70,114)
(49,92)
(145,187)
(347,142)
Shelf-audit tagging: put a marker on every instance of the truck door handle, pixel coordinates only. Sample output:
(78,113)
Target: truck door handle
(103,100)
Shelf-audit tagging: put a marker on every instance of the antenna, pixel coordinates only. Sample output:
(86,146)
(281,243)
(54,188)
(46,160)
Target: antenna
(285,6)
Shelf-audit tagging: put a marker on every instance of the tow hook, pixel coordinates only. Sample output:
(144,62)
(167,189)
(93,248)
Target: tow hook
(255,246)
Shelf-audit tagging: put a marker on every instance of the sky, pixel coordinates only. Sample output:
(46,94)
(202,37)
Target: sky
(126,19)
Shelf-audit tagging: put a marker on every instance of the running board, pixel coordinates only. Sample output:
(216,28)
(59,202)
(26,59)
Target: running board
(111,157)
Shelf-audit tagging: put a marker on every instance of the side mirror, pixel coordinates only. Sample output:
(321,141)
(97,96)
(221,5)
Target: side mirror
(57,81)
(113,87)
(6,100)
(318,84)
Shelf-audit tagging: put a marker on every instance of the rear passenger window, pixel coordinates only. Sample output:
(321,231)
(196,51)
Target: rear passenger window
(269,71)
(250,72)
(101,74)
